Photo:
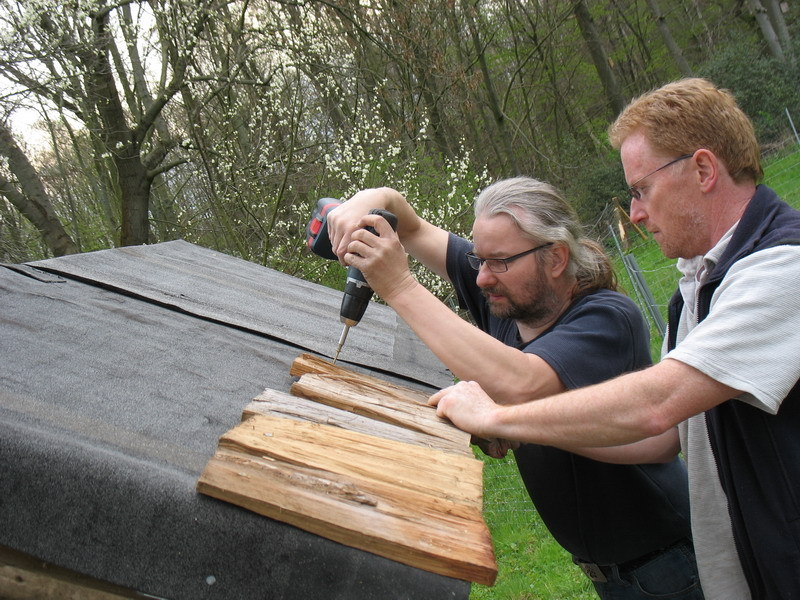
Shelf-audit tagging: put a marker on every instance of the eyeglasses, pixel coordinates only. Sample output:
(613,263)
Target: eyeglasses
(500,265)
(636,194)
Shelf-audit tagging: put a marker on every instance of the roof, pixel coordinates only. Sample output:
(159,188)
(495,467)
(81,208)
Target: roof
(121,370)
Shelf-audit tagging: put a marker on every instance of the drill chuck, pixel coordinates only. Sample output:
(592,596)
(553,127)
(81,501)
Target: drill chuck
(357,294)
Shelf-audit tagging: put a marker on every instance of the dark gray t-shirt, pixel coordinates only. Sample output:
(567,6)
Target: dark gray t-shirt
(600,512)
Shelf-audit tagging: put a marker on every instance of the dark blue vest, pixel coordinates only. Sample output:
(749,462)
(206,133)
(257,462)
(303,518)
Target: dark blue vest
(758,454)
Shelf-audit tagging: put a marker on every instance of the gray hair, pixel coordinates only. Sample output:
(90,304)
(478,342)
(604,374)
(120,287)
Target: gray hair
(542,213)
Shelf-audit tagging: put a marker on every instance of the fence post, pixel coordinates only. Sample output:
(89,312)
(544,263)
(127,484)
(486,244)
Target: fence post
(641,289)
(638,281)
(788,116)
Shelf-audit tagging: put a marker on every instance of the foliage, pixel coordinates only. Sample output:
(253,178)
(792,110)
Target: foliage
(19,240)
(441,189)
(233,117)
(595,185)
(763,86)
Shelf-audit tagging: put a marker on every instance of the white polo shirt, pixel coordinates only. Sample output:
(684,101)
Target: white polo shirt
(749,341)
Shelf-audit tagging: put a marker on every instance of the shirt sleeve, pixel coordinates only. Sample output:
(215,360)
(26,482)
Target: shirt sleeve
(601,336)
(751,336)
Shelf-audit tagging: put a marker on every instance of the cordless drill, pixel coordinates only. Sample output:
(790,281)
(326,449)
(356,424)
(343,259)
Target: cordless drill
(357,292)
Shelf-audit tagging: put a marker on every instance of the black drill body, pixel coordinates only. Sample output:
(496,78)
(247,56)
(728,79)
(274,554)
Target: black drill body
(357,292)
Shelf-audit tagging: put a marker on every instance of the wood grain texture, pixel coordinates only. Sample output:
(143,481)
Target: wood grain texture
(361,461)
(309,363)
(371,397)
(419,506)
(280,404)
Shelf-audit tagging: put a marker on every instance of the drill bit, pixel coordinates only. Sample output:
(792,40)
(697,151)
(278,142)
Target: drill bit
(357,292)
(342,338)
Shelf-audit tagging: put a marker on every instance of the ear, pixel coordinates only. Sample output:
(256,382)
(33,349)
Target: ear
(559,259)
(707,169)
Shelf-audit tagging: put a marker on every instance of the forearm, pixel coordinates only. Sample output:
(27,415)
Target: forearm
(508,374)
(593,416)
(657,449)
(620,411)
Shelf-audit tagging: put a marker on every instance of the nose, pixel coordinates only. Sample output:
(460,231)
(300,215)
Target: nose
(637,212)
(485,277)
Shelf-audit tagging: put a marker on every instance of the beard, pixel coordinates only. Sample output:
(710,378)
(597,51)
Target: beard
(536,303)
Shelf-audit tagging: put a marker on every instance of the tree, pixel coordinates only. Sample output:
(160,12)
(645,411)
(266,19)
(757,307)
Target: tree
(492,100)
(28,195)
(669,41)
(69,58)
(223,121)
(767,29)
(599,57)
(775,13)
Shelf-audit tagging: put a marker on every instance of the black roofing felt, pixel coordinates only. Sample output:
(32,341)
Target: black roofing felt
(119,372)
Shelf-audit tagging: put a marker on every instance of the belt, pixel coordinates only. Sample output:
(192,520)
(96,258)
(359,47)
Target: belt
(601,573)
(593,571)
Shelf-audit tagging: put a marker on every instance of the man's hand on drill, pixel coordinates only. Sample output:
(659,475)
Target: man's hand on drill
(345,219)
(381,258)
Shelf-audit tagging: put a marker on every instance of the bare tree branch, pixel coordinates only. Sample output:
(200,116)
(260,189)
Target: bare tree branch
(28,195)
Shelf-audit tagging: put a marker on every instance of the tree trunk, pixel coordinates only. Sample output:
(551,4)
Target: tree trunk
(779,25)
(669,41)
(118,138)
(770,37)
(31,198)
(492,100)
(142,97)
(599,57)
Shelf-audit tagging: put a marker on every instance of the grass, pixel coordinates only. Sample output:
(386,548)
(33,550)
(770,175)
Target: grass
(783,175)
(531,565)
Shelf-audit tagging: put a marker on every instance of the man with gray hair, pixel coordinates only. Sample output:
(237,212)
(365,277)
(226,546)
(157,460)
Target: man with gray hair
(549,319)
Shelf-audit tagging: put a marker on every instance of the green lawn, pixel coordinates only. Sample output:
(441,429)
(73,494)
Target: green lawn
(531,565)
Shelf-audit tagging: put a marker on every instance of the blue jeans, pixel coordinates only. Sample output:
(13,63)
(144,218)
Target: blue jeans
(672,575)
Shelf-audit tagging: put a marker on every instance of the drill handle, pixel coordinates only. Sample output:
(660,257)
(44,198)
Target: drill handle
(356,282)
(390,217)
(357,292)
(317,229)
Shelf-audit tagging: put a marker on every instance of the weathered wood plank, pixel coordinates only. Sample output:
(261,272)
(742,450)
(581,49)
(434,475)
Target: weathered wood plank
(361,461)
(418,506)
(353,454)
(311,364)
(352,393)
(23,577)
(280,404)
